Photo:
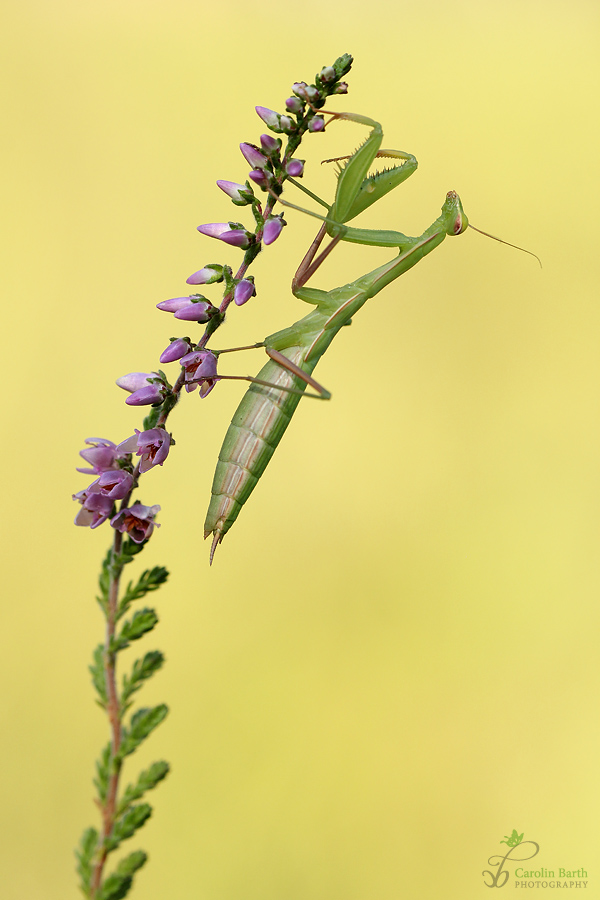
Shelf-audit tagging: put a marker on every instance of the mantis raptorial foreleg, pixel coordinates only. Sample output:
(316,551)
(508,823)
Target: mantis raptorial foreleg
(268,405)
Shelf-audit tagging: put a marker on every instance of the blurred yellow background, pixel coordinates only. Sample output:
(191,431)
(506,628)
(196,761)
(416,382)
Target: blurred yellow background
(393,661)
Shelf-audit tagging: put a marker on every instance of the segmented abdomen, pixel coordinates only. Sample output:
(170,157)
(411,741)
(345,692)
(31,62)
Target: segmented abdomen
(257,426)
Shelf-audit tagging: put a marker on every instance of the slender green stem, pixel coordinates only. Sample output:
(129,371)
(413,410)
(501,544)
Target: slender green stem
(114,715)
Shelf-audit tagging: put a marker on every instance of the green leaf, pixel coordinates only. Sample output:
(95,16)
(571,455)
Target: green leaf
(143,722)
(85,854)
(143,621)
(103,773)
(141,671)
(117,884)
(149,580)
(147,780)
(128,824)
(99,676)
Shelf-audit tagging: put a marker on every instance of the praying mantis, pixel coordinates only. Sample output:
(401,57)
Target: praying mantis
(267,407)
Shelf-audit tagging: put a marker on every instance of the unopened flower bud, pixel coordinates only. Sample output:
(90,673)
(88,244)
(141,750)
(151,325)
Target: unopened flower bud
(243,291)
(286,124)
(317,123)
(176,349)
(214,229)
(341,88)
(295,168)
(270,145)
(269,117)
(237,237)
(293,104)
(146,396)
(253,156)
(196,311)
(239,193)
(135,380)
(260,177)
(298,88)
(327,74)
(210,274)
(273,228)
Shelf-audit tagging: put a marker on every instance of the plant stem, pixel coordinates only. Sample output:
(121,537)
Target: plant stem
(114,715)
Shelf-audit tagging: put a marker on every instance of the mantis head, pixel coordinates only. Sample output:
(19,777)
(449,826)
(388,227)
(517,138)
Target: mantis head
(454,215)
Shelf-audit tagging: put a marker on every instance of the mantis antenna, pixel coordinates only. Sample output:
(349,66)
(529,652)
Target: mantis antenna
(508,244)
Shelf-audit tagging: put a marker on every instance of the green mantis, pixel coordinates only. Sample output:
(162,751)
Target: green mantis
(266,409)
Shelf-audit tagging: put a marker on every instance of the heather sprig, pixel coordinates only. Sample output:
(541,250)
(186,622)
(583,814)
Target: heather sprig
(118,467)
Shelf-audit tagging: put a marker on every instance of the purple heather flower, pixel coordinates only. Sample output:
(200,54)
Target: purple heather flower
(137,521)
(101,455)
(195,311)
(200,368)
(146,396)
(153,446)
(269,117)
(175,350)
(244,289)
(253,156)
(295,168)
(95,508)
(317,123)
(233,189)
(115,483)
(293,104)
(135,380)
(207,275)
(270,145)
(272,230)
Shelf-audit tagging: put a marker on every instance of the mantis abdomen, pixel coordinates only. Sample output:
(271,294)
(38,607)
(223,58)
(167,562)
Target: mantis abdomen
(257,426)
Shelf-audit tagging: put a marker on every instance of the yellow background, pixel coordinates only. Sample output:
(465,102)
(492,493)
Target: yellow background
(393,661)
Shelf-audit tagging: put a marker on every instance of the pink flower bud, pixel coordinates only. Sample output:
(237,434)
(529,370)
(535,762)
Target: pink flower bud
(210,274)
(259,177)
(293,104)
(270,145)
(214,229)
(146,396)
(237,237)
(174,351)
(295,168)
(273,228)
(173,304)
(232,189)
(243,291)
(198,311)
(317,123)
(269,117)
(253,156)
(135,380)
